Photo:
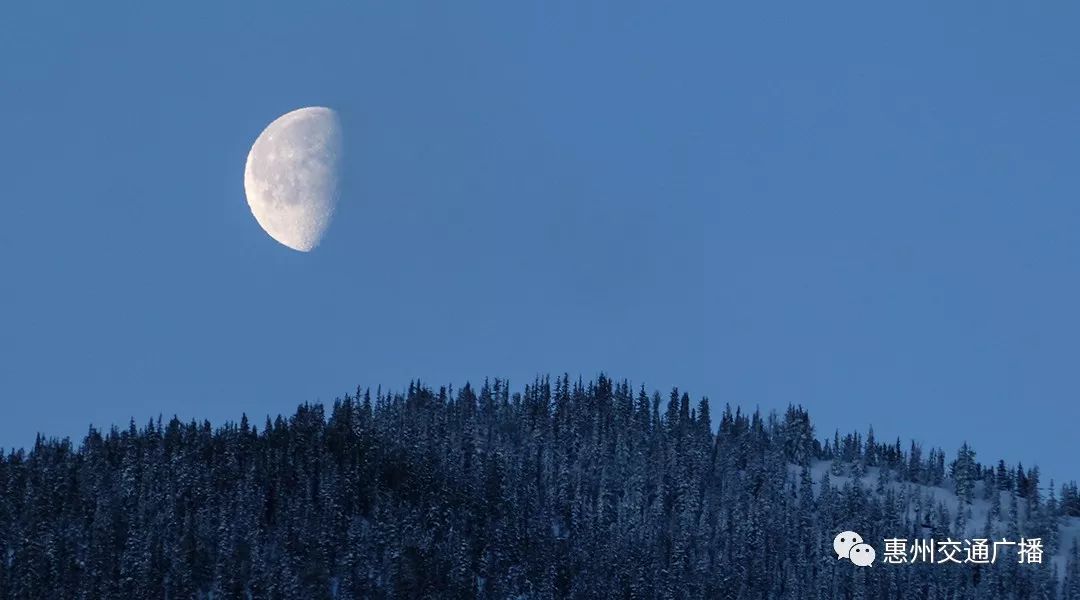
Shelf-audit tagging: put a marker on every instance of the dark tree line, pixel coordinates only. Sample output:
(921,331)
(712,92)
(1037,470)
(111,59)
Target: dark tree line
(566,490)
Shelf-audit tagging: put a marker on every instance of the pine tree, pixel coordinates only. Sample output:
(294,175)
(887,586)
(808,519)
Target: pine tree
(567,489)
(965,473)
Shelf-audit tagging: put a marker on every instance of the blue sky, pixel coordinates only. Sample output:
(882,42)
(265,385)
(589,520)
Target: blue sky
(870,211)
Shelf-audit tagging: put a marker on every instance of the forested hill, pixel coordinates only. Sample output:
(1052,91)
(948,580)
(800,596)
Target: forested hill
(564,490)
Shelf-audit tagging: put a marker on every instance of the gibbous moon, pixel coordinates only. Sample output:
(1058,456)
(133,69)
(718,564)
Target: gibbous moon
(291,176)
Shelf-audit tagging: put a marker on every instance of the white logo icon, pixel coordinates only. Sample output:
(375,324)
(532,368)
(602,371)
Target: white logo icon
(862,555)
(843,542)
(849,545)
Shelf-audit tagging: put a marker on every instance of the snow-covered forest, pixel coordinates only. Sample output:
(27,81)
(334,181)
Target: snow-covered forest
(562,490)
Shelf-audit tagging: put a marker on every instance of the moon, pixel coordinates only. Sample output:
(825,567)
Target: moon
(291,176)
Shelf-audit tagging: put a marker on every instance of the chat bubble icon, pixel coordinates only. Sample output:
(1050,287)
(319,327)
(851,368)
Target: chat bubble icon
(843,542)
(862,555)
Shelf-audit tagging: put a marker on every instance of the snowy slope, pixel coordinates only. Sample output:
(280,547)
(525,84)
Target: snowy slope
(1069,529)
